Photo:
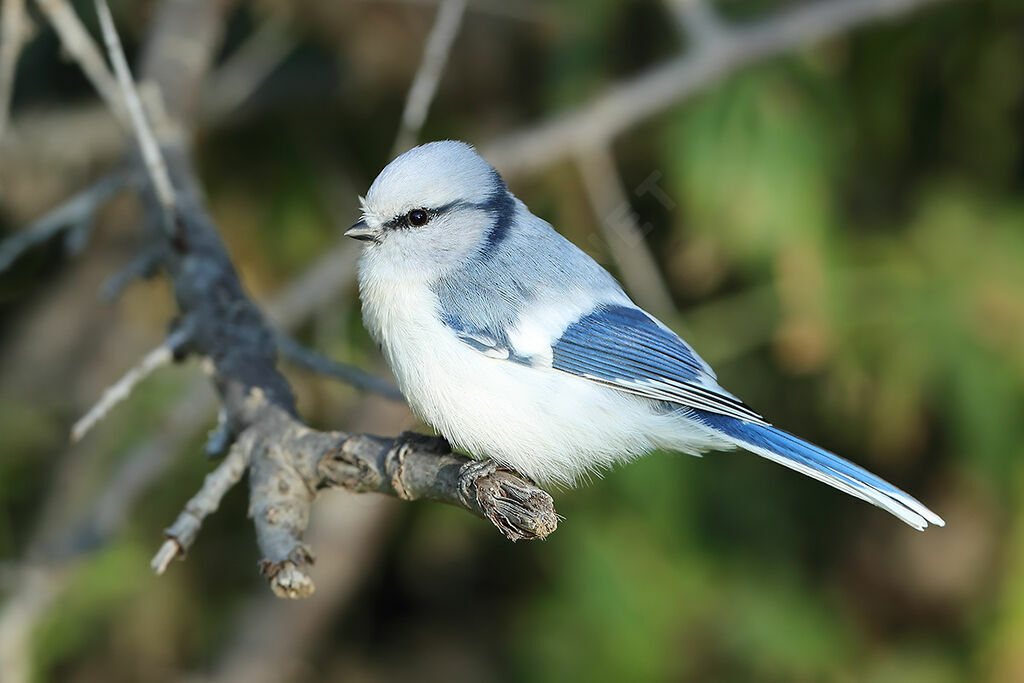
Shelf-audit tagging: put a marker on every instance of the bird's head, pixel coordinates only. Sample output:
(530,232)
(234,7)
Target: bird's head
(432,208)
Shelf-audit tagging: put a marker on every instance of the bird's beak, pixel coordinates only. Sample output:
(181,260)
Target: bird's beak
(362,231)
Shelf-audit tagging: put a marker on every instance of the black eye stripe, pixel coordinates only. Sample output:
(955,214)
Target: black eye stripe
(405,220)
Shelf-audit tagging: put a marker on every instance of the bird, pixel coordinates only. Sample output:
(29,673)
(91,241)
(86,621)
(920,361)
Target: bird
(522,351)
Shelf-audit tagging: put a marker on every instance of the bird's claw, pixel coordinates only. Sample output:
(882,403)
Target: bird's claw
(469,473)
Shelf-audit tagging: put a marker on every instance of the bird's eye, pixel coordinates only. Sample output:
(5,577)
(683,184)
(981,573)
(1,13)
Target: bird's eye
(417,217)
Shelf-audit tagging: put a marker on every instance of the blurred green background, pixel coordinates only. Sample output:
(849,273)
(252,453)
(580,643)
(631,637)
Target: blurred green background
(844,241)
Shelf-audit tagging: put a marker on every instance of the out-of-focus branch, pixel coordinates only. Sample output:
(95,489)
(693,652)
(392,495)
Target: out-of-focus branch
(620,107)
(428,75)
(316,362)
(12,38)
(622,231)
(71,216)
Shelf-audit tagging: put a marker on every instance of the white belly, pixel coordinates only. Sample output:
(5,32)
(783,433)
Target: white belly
(546,424)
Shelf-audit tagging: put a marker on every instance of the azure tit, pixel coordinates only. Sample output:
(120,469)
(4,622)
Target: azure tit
(518,347)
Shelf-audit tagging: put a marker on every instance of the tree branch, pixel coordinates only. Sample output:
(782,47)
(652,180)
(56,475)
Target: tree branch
(71,215)
(289,463)
(316,362)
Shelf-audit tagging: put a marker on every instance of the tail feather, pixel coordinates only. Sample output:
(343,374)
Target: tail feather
(786,449)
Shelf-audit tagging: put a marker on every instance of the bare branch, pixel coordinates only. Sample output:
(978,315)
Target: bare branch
(80,45)
(75,212)
(12,38)
(155,165)
(424,85)
(183,532)
(316,362)
(289,463)
(619,225)
(293,462)
(597,122)
(122,389)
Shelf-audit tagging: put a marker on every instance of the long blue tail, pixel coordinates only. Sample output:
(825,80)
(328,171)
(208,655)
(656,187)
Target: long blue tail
(788,450)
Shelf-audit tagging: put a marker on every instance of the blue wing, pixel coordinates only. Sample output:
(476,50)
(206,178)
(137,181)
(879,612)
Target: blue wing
(624,348)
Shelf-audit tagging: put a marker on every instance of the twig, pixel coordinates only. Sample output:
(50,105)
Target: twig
(120,390)
(318,363)
(182,533)
(622,106)
(75,212)
(154,160)
(11,41)
(428,75)
(79,44)
(618,224)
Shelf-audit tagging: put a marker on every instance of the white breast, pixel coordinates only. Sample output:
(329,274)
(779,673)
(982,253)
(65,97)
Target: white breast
(548,425)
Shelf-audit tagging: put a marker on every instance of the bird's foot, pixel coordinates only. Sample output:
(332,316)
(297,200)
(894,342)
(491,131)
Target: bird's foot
(512,502)
(470,472)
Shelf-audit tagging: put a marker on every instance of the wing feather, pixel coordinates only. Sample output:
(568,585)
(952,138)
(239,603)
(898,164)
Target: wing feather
(626,349)
(623,348)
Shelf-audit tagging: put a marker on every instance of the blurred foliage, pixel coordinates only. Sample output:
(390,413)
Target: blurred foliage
(845,239)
